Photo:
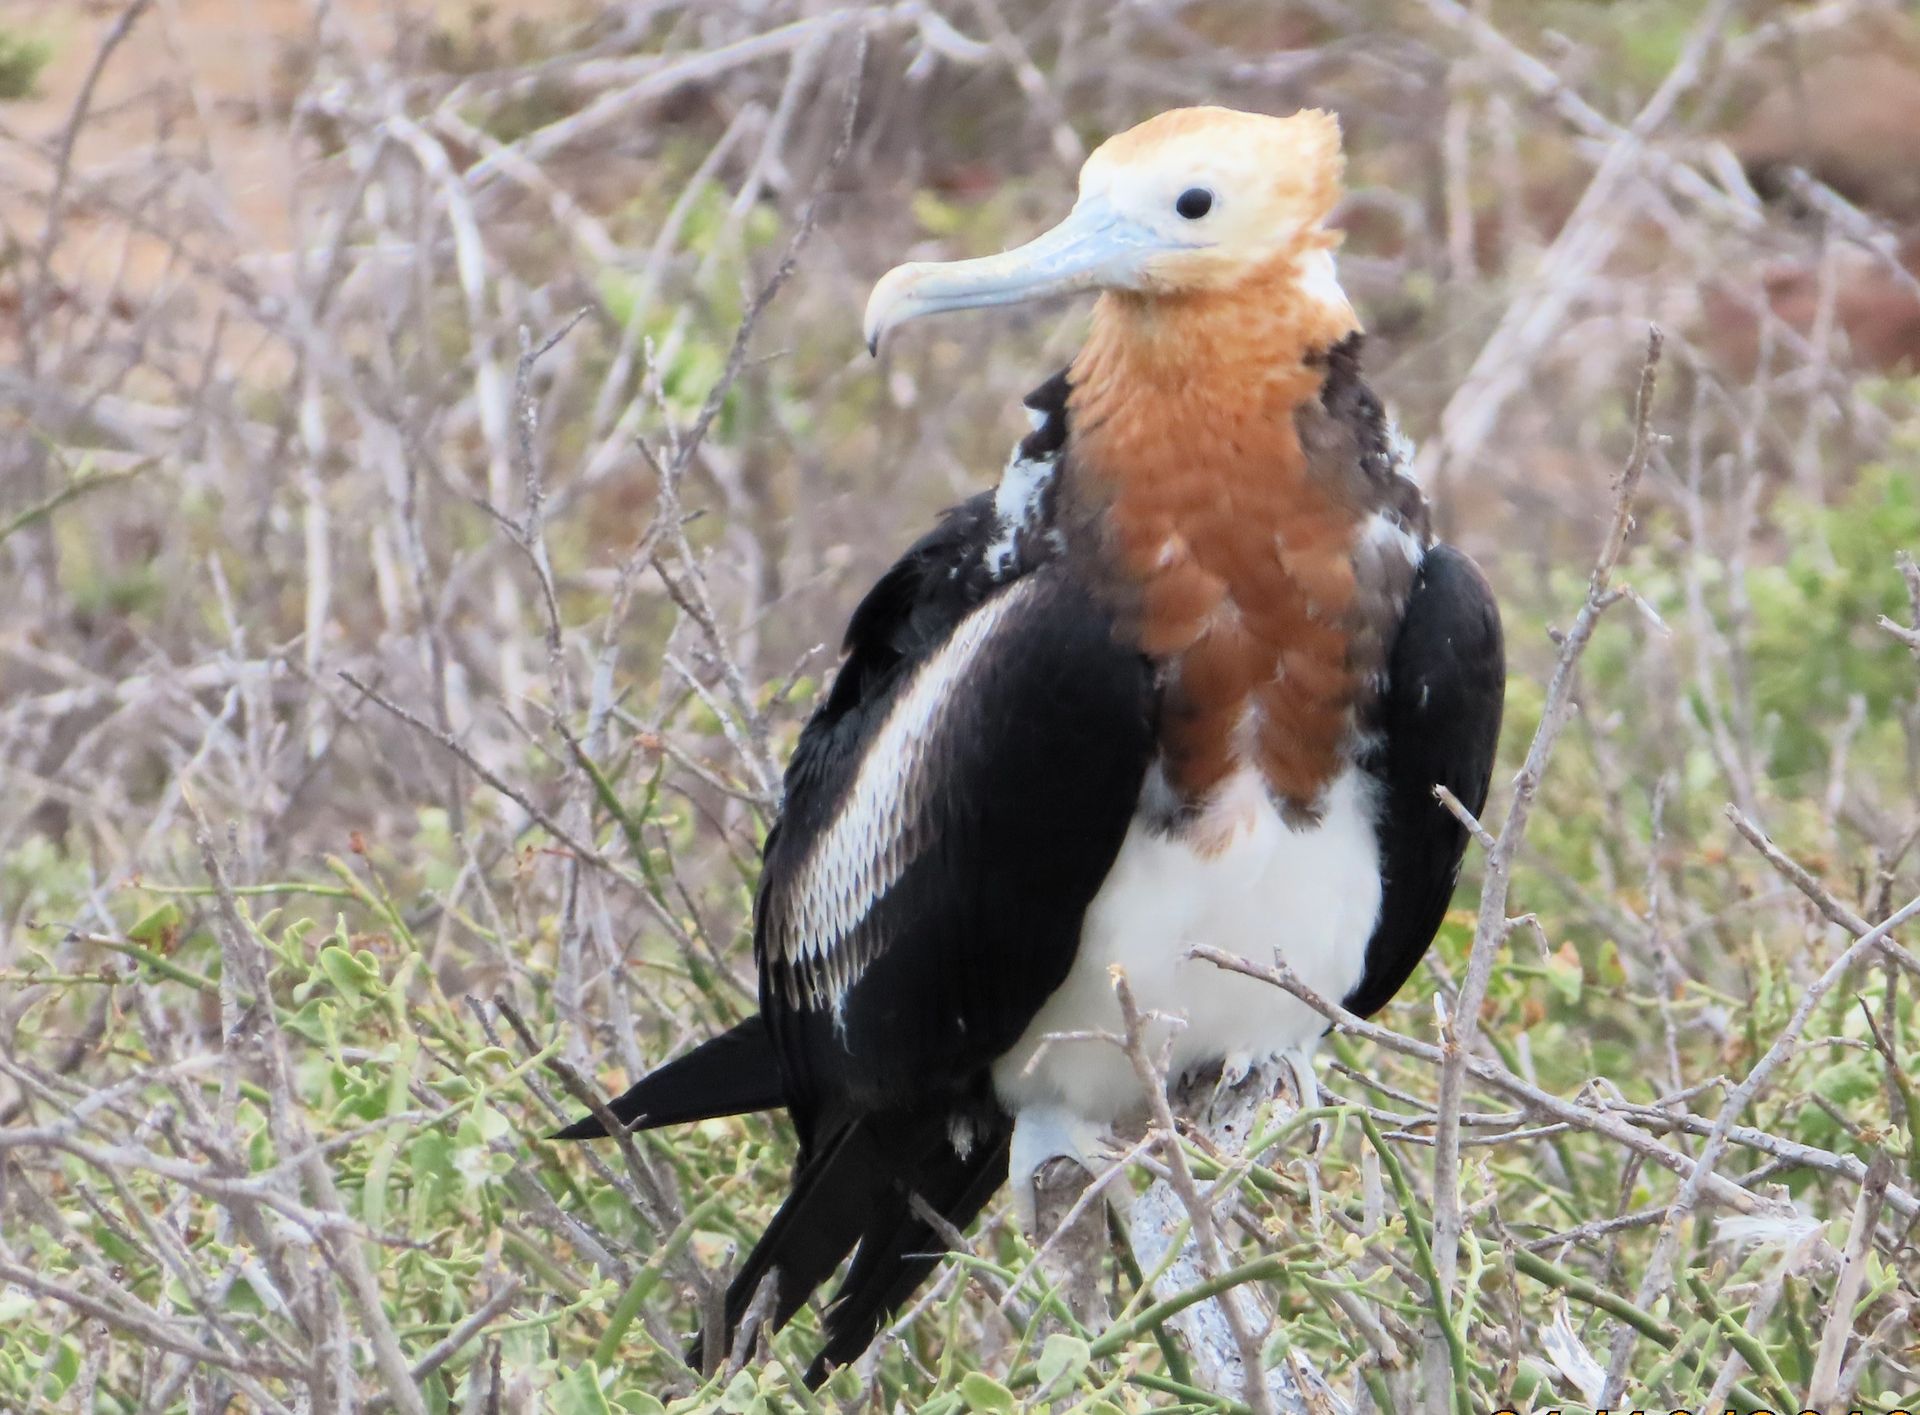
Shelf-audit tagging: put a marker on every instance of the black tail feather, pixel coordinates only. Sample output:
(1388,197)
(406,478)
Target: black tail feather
(900,1248)
(730,1074)
(833,1196)
(854,1190)
(858,1191)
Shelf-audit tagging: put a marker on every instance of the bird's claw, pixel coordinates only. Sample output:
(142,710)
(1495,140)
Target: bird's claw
(1235,1069)
(1040,1136)
(1306,1092)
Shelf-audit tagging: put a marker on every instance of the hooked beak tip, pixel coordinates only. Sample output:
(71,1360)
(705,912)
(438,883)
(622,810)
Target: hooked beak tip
(888,305)
(1090,249)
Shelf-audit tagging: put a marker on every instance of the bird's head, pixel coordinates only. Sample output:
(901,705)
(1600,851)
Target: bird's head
(1197,200)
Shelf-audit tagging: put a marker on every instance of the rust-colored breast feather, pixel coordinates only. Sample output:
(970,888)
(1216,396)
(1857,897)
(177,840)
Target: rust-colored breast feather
(1240,566)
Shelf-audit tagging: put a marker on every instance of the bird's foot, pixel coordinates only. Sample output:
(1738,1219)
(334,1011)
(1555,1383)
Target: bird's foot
(1235,1068)
(1249,1079)
(1306,1092)
(1306,1084)
(1042,1134)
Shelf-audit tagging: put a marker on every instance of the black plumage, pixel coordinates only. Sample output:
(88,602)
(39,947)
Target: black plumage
(731,1074)
(924,889)
(1038,763)
(1439,725)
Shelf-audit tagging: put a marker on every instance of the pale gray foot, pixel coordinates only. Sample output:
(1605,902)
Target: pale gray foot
(1306,1083)
(1043,1133)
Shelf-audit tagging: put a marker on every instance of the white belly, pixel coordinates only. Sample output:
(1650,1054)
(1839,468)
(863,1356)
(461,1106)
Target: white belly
(1313,894)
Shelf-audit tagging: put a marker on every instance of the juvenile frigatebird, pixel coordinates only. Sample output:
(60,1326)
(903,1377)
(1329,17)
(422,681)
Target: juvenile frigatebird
(1190,674)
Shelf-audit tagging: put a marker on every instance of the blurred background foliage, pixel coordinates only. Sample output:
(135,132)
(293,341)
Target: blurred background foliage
(264,274)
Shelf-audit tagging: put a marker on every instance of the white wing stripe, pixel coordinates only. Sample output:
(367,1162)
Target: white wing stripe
(877,833)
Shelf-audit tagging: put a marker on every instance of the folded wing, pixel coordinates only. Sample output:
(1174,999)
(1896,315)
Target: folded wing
(950,812)
(1439,726)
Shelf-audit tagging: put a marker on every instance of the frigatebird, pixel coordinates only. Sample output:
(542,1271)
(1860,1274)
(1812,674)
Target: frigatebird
(1190,674)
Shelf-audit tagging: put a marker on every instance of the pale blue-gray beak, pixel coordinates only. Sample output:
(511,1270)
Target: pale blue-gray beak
(1096,247)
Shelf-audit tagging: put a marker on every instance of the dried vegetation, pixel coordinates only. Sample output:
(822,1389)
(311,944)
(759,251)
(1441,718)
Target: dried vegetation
(434,448)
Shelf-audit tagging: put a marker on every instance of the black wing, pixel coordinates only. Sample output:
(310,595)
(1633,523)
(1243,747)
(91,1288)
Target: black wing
(1440,723)
(950,812)
(951,809)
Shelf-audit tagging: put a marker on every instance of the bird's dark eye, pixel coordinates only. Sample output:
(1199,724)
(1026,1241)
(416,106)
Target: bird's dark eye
(1194,203)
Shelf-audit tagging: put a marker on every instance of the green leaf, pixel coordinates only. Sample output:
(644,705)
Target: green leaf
(743,1397)
(1850,1080)
(373,1189)
(1062,1360)
(985,1396)
(22,57)
(430,1166)
(65,1365)
(1564,973)
(580,1394)
(159,927)
(347,973)
(638,1402)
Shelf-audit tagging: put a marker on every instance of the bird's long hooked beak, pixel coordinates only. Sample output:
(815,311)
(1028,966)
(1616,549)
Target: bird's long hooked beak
(1094,247)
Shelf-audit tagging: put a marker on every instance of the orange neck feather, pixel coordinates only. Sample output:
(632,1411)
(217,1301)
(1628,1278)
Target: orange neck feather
(1243,349)
(1182,414)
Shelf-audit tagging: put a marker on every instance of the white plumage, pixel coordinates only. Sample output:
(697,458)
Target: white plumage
(1311,893)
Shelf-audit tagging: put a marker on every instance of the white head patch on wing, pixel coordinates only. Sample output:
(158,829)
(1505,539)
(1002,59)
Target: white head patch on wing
(884,821)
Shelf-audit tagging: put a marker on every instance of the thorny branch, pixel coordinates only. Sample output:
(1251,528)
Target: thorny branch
(1461,1023)
(1239,1313)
